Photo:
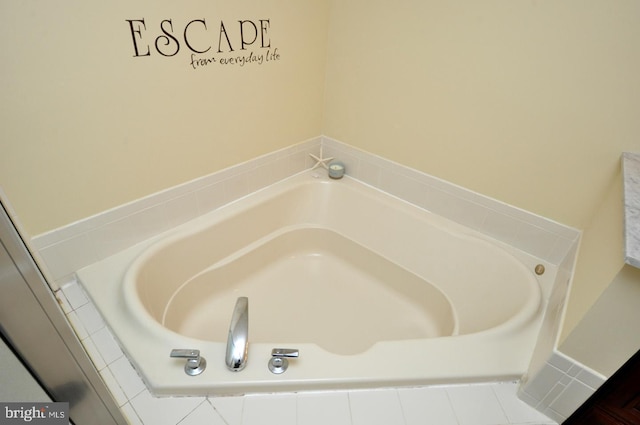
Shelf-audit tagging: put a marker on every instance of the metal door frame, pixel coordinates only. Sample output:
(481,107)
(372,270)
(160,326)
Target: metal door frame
(37,329)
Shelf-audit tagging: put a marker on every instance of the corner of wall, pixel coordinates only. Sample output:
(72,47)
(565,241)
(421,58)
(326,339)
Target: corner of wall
(601,256)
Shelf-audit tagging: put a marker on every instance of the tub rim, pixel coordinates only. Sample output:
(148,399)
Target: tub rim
(165,377)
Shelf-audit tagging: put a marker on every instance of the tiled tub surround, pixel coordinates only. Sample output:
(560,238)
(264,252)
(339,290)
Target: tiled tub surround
(68,249)
(85,242)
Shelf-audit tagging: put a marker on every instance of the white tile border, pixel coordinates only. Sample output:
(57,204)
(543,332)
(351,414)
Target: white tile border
(531,233)
(67,249)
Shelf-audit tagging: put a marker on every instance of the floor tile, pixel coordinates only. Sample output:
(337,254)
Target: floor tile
(78,326)
(127,377)
(517,411)
(379,407)
(427,406)
(90,318)
(274,409)
(203,414)
(476,405)
(163,410)
(94,353)
(114,388)
(107,346)
(75,295)
(324,408)
(229,408)
(131,415)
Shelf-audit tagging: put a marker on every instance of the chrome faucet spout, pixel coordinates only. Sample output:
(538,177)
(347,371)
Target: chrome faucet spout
(238,340)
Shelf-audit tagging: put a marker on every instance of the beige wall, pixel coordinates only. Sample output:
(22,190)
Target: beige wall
(87,126)
(530,102)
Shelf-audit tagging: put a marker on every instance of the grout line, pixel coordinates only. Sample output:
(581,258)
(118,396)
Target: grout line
(453,408)
(404,418)
(218,413)
(191,411)
(504,411)
(350,409)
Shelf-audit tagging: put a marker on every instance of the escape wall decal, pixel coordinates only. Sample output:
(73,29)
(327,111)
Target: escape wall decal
(237,43)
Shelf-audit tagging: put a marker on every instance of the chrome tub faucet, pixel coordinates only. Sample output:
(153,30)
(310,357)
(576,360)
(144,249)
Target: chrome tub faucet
(238,339)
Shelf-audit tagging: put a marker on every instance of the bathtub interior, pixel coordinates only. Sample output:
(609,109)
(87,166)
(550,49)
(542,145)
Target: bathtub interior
(441,280)
(340,295)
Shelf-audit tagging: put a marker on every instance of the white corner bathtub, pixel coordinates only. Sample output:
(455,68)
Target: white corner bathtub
(371,290)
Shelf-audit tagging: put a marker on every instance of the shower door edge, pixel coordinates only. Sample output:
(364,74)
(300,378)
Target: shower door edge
(32,322)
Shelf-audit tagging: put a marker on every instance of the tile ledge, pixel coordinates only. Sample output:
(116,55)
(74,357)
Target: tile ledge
(631,176)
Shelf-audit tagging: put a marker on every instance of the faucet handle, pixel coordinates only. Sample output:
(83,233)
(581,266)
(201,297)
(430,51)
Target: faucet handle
(195,363)
(285,352)
(185,353)
(279,363)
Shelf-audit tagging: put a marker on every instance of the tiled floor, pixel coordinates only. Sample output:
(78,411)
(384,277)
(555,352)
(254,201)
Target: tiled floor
(478,404)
